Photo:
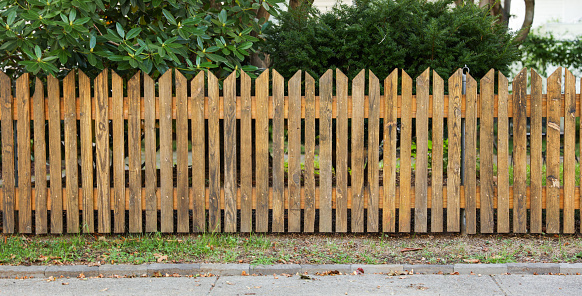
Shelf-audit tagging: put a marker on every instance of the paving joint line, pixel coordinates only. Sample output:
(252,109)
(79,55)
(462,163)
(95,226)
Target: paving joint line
(213,285)
(498,285)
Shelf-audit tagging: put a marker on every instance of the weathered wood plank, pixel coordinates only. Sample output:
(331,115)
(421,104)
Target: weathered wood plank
(86,137)
(357,164)
(183,212)
(536,160)
(40,213)
(502,156)
(151,183)
(405,154)
(553,152)
(134,153)
(278,204)
(8,179)
(325,150)
(166,153)
(421,171)
(102,157)
(454,165)
(486,152)
(519,152)
(569,152)
(471,156)
(373,186)
(262,152)
(71,159)
(294,133)
(198,154)
(230,184)
(118,154)
(436,210)
(23,142)
(246,155)
(389,157)
(309,212)
(341,157)
(214,219)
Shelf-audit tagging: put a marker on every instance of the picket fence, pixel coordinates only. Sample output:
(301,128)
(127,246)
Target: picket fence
(231,161)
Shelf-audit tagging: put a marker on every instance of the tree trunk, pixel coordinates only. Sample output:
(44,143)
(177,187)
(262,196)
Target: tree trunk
(293,4)
(527,21)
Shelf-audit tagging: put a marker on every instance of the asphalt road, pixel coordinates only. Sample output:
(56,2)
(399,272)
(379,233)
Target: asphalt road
(318,285)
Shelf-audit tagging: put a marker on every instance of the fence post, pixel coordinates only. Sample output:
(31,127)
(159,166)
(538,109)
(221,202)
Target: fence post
(462,210)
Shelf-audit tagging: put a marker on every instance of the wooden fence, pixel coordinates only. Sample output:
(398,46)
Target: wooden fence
(185,158)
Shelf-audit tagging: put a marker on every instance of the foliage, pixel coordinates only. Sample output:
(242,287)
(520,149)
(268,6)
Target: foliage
(127,35)
(540,51)
(384,34)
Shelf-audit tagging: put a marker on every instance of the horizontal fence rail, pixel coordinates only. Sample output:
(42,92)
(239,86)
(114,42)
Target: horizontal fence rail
(274,155)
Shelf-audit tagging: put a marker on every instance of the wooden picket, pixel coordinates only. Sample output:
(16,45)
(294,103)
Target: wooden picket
(237,179)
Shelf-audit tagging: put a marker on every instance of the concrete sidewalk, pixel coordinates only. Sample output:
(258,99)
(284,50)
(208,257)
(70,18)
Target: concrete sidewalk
(194,269)
(367,284)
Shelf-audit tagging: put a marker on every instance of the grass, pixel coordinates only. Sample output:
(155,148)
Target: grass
(280,249)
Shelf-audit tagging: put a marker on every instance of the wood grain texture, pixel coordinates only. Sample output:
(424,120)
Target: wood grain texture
(535,140)
(471,156)
(198,154)
(373,187)
(230,182)
(56,186)
(214,219)
(405,155)
(486,152)
(553,152)
(151,183)
(357,163)
(569,152)
(9,182)
(421,161)
(309,177)
(87,140)
(118,154)
(389,157)
(436,210)
(502,156)
(341,157)
(262,152)
(454,165)
(519,152)
(71,154)
(278,205)
(23,142)
(246,155)
(102,156)
(325,150)
(40,140)
(183,212)
(294,134)
(134,153)
(166,153)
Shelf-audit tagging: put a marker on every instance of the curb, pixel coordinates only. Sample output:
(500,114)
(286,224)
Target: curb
(193,269)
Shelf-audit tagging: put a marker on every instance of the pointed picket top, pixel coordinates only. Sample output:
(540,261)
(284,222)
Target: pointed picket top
(147,79)
(569,80)
(23,81)
(339,75)
(327,77)
(436,78)
(360,78)
(405,75)
(295,76)
(391,80)
(232,75)
(3,77)
(472,81)
(263,77)
(105,73)
(276,75)
(556,76)
(81,74)
(179,77)
(372,76)
(71,75)
(489,77)
(197,85)
(166,75)
(38,87)
(308,78)
(244,75)
(424,78)
(521,75)
(456,77)
(133,79)
(534,74)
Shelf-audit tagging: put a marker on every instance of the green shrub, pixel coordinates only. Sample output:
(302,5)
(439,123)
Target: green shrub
(126,35)
(540,51)
(381,35)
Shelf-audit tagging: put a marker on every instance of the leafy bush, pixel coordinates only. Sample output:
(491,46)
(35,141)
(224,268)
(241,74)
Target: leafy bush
(540,51)
(150,35)
(381,35)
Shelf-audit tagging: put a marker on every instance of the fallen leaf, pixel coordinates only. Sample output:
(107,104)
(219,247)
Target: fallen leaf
(455,273)
(160,257)
(360,270)
(305,277)
(64,284)
(81,276)
(103,290)
(244,273)
(471,260)
(275,276)
(410,250)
